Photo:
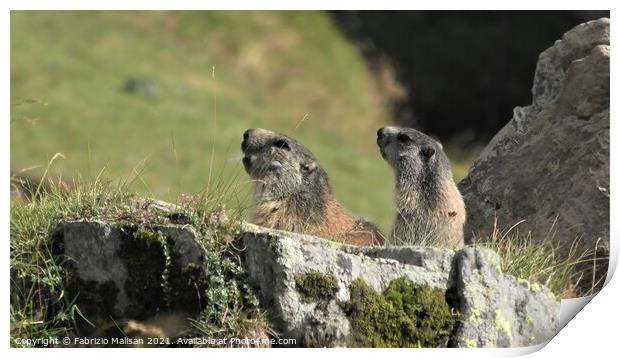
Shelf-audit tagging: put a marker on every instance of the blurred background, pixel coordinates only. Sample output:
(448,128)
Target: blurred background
(161,98)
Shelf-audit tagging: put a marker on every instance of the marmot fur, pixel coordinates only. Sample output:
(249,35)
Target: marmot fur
(429,207)
(291,191)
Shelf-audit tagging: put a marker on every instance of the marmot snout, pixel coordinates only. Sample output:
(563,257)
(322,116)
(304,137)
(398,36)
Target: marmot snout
(292,192)
(429,207)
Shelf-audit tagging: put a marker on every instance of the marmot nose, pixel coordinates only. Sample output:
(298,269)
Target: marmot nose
(380,132)
(247,133)
(246,136)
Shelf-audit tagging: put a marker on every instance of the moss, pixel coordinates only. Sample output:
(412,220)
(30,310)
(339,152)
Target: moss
(157,279)
(471,343)
(535,287)
(404,315)
(529,319)
(494,260)
(475,315)
(501,324)
(316,286)
(334,244)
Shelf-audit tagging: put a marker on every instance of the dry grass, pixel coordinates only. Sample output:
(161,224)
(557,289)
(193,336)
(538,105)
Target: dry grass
(541,260)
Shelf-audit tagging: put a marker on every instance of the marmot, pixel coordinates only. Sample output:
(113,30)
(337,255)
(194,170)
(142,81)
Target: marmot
(292,192)
(429,207)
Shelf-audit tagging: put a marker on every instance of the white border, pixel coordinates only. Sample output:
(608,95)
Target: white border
(592,331)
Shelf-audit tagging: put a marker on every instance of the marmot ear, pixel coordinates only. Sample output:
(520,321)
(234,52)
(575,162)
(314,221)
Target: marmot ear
(428,152)
(308,166)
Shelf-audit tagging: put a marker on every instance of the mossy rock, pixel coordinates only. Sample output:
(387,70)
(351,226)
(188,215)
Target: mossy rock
(404,315)
(436,297)
(133,272)
(316,286)
(159,280)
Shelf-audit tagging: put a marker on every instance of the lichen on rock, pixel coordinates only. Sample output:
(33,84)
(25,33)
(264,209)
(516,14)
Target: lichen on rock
(499,310)
(392,296)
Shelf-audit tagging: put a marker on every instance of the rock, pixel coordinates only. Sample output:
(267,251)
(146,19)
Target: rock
(497,310)
(549,166)
(318,292)
(119,271)
(142,86)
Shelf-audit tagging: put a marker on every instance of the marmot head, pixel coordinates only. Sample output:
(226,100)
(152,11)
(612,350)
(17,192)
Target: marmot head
(414,156)
(281,166)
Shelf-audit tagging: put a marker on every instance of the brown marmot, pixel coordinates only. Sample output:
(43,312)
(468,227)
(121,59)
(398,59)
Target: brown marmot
(429,207)
(291,191)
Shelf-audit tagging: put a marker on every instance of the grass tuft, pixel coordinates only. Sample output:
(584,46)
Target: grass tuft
(539,260)
(41,306)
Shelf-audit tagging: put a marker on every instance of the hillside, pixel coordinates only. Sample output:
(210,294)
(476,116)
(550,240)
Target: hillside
(161,99)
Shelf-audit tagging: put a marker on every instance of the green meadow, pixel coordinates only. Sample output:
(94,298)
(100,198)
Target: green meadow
(160,99)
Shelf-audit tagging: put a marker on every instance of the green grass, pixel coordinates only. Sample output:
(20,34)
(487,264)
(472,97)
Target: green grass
(217,73)
(538,260)
(40,305)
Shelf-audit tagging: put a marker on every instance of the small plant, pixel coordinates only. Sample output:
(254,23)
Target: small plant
(40,305)
(539,261)
(44,306)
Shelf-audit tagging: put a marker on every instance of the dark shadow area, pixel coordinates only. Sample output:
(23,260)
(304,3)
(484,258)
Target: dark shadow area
(463,71)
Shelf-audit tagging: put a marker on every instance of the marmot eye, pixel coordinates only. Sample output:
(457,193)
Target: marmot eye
(428,152)
(403,138)
(282,144)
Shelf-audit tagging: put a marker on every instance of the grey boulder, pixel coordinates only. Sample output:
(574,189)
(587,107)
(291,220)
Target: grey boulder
(115,271)
(547,170)
(495,310)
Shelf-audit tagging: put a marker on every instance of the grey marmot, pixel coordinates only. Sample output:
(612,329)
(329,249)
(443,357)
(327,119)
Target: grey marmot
(291,191)
(429,207)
